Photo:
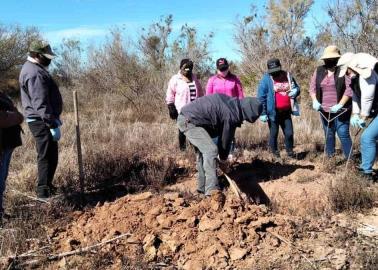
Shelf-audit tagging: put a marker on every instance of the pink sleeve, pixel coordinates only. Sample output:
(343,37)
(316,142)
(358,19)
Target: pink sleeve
(239,88)
(171,91)
(313,84)
(209,86)
(348,90)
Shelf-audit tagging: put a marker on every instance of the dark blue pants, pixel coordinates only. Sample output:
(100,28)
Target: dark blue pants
(5,155)
(283,120)
(342,129)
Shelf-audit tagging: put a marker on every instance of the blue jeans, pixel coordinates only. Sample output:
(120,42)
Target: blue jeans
(4,168)
(283,120)
(342,130)
(369,147)
(206,156)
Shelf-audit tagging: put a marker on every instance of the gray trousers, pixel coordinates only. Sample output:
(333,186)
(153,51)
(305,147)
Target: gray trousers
(206,156)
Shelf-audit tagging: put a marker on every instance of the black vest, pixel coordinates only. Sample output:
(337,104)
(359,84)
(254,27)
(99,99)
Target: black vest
(321,73)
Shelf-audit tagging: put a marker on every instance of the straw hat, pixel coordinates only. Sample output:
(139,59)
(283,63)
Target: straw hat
(330,52)
(363,64)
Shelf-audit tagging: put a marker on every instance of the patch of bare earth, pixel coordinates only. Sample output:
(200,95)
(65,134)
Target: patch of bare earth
(290,226)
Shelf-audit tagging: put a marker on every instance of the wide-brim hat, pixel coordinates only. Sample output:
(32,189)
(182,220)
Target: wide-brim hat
(363,64)
(42,47)
(343,62)
(330,52)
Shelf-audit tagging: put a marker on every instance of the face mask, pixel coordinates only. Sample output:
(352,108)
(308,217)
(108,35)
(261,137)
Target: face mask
(330,63)
(187,72)
(223,73)
(44,61)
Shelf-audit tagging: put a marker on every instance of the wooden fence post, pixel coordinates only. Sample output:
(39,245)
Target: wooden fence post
(78,144)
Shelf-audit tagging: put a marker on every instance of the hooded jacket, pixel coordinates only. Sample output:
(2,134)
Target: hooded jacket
(220,115)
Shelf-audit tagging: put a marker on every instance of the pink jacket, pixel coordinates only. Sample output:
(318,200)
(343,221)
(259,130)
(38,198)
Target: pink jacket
(230,86)
(178,91)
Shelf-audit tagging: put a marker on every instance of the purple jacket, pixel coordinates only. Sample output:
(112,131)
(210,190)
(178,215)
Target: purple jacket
(229,86)
(178,91)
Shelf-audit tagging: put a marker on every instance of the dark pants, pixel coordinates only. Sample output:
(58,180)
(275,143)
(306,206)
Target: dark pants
(47,151)
(182,140)
(283,120)
(339,127)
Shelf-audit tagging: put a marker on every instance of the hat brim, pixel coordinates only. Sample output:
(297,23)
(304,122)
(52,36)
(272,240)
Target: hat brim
(364,72)
(343,70)
(330,56)
(272,70)
(49,56)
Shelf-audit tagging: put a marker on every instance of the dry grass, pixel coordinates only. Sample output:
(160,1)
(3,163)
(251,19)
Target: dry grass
(350,192)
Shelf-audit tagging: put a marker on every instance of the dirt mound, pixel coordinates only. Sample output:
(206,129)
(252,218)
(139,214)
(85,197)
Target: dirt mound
(177,229)
(188,232)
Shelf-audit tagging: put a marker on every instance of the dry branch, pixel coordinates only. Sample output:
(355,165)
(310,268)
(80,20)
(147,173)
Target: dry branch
(86,249)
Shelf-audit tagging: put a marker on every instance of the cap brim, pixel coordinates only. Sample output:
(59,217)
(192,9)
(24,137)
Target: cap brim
(49,56)
(272,70)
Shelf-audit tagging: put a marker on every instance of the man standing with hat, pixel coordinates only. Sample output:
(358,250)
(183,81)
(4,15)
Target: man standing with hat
(42,103)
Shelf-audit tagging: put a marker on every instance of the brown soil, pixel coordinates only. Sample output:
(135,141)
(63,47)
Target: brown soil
(178,229)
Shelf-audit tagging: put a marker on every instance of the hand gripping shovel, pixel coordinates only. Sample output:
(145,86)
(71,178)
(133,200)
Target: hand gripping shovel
(234,187)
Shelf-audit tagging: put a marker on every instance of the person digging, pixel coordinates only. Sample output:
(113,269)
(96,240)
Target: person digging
(212,116)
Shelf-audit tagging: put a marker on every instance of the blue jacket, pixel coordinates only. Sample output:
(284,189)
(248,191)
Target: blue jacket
(266,95)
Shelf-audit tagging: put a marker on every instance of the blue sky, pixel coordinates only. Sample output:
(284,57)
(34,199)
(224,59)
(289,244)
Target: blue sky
(90,20)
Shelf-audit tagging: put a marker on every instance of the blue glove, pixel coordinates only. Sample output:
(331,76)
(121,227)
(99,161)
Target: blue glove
(58,122)
(355,120)
(336,108)
(361,123)
(295,113)
(293,92)
(264,118)
(55,133)
(316,105)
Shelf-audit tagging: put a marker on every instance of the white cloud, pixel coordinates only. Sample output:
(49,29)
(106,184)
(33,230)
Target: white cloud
(81,33)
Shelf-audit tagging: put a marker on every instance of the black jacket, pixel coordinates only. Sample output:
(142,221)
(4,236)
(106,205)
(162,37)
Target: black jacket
(10,137)
(220,115)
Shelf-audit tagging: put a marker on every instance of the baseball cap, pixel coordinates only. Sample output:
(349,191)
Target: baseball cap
(42,47)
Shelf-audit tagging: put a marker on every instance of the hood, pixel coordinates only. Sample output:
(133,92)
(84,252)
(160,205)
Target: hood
(251,108)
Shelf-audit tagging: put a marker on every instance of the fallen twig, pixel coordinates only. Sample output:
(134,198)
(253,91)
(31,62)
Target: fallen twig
(66,254)
(294,246)
(30,197)
(88,248)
